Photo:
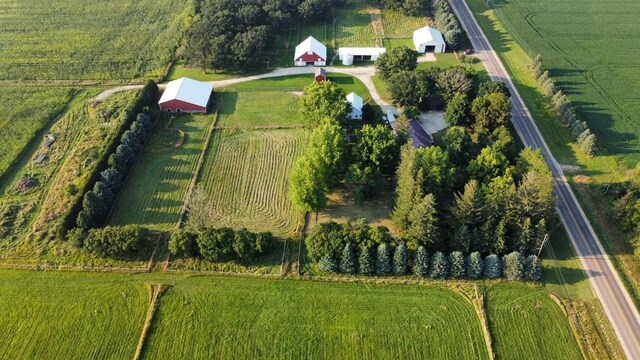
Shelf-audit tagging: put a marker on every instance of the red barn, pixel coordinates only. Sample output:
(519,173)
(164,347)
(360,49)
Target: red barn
(186,95)
(310,52)
(321,74)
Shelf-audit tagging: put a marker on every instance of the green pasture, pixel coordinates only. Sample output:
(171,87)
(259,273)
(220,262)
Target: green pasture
(57,315)
(26,111)
(250,109)
(246,178)
(526,323)
(155,190)
(97,40)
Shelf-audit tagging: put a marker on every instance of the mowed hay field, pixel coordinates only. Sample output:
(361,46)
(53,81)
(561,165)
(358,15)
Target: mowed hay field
(528,324)
(157,186)
(246,177)
(241,318)
(591,49)
(25,111)
(250,109)
(76,39)
(51,315)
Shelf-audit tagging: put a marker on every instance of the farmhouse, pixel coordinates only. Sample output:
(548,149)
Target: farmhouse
(419,136)
(356,106)
(310,52)
(186,95)
(321,74)
(428,39)
(349,55)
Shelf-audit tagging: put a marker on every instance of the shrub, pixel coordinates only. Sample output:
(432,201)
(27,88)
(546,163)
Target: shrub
(216,244)
(532,268)
(182,243)
(114,240)
(513,266)
(348,260)
(244,244)
(439,266)
(326,238)
(400,260)
(383,260)
(457,264)
(94,211)
(368,114)
(327,264)
(475,265)
(264,242)
(492,267)
(421,262)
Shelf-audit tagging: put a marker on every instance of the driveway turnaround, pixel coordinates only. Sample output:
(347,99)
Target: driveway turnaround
(604,279)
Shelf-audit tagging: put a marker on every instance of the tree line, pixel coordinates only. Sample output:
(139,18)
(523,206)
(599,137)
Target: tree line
(446,21)
(628,206)
(357,248)
(221,244)
(230,34)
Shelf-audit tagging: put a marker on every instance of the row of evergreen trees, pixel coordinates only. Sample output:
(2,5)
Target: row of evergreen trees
(97,202)
(399,260)
(447,23)
(579,129)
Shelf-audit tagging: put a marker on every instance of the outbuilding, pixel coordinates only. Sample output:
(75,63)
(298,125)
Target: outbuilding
(356,106)
(310,52)
(419,136)
(321,74)
(428,39)
(186,95)
(350,54)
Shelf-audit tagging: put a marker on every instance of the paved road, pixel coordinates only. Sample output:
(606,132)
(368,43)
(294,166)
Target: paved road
(604,279)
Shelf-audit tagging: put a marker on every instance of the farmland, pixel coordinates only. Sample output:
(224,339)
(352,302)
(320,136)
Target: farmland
(26,112)
(246,178)
(157,186)
(246,109)
(69,315)
(73,39)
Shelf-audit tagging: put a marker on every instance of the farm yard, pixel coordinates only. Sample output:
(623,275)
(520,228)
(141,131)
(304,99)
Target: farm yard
(154,194)
(72,40)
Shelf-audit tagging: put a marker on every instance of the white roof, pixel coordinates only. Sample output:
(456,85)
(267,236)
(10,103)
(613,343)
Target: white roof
(187,90)
(360,51)
(427,34)
(355,100)
(311,44)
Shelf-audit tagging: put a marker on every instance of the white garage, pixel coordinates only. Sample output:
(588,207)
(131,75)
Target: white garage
(350,54)
(428,39)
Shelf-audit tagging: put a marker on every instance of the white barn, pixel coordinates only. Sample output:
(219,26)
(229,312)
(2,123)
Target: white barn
(356,106)
(428,39)
(349,54)
(310,52)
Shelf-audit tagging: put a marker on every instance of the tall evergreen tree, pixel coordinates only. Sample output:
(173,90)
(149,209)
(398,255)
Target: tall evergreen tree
(513,266)
(532,268)
(492,267)
(348,260)
(366,264)
(422,228)
(408,188)
(475,265)
(439,266)
(421,262)
(456,259)
(383,260)
(327,264)
(400,260)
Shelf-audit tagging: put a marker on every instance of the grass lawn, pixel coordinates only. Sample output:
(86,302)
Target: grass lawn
(527,324)
(179,70)
(212,317)
(57,315)
(26,110)
(155,190)
(246,178)
(75,39)
(247,109)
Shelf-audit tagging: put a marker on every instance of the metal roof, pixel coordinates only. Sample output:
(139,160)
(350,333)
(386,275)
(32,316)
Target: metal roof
(355,100)
(419,135)
(361,51)
(313,45)
(427,34)
(187,90)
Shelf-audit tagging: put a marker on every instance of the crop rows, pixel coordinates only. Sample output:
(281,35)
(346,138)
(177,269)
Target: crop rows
(155,192)
(400,26)
(354,28)
(25,112)
(74,39)
(529,325)
(246,177)
(208,317)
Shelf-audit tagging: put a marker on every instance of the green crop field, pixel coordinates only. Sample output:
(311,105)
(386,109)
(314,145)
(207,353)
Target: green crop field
(398,25)
(75,39)
(210,317)
(354,27)
(528,324)
(25,112)
(156,188)
(51,315)
(596,65)
(248,109)
(246,178)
